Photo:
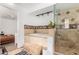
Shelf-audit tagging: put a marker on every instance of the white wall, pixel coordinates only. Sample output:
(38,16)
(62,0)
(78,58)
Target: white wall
(8,26)
(20,27)
(38,20)
(0,24)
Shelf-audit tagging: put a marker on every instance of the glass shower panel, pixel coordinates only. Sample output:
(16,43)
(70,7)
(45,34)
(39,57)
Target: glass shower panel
(67,32)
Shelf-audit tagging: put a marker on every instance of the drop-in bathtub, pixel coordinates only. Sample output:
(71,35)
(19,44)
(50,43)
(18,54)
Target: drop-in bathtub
(44,40)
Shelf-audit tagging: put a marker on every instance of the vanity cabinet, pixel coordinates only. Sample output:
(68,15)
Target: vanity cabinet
(4,39)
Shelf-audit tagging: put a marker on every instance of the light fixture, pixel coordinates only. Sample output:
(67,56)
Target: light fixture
(37,15)
(45,13)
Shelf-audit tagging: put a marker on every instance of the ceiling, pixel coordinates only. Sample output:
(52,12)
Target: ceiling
(11,6)
(58,6)
(32,7)
(44,10)
(27,5)
(63,6)
(7,11)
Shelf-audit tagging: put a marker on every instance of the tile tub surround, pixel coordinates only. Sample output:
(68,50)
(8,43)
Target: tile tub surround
(73,16)
(37,38)
(37,27)
(67,41)
(50,32)
(45,29)
(33,48)
(42,32)
(42,40)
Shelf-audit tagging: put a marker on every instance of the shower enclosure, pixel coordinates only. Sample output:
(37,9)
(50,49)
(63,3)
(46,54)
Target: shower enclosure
(67,28)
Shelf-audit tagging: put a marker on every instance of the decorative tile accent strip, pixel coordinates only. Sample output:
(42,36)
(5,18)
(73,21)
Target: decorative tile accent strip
(36,27)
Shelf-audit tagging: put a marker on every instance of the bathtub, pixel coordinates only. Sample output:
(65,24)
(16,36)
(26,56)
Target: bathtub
(44,40)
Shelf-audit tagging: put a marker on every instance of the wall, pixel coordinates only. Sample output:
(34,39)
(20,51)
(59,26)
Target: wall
(0,24)
(67,41)
(8,26)
(38,20)
(20,27)
(7,22)
(74,13)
